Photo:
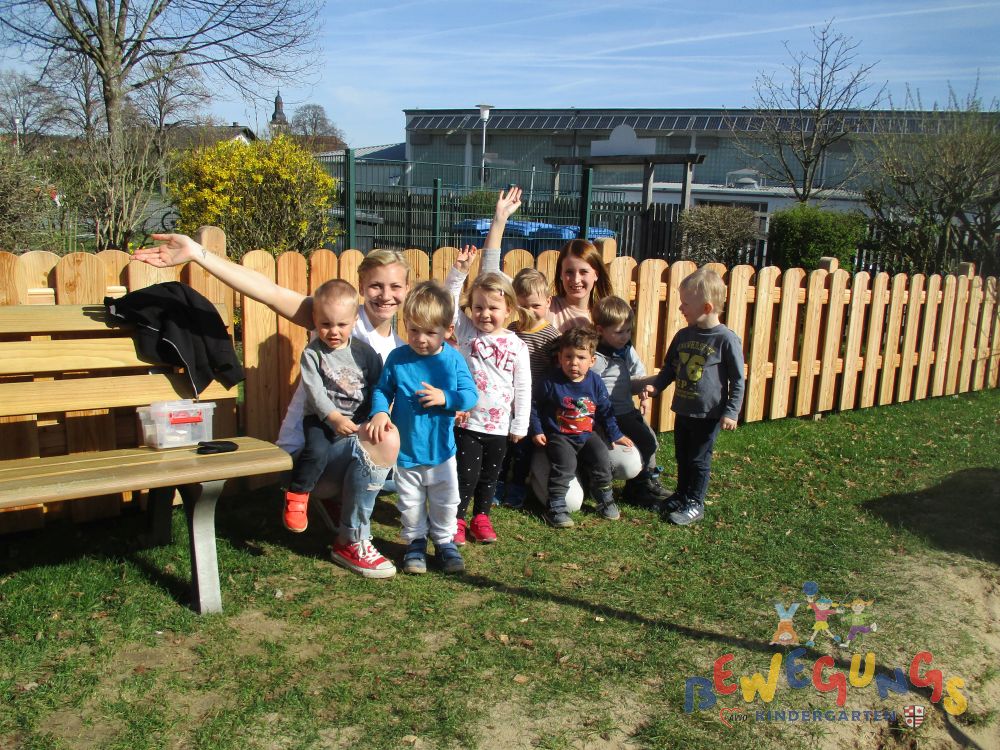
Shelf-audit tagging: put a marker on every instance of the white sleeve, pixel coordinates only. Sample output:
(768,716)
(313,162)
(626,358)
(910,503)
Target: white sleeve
(522,392)
(491,262)
(464,330)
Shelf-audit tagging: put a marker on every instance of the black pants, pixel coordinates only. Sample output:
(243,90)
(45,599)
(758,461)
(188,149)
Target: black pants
(694,439)
(564,455)
(517,462)
(311,462)
(638,430)
(480,458)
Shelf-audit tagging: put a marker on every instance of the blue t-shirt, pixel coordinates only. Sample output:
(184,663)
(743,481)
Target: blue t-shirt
(426,436)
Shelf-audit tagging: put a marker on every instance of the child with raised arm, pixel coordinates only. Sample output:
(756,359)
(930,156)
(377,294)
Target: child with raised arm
(705,362)
(338,374)
(623,374)
(567,404)
(426,383)
(500,367)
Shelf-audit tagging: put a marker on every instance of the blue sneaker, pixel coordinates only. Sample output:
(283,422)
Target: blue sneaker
(499,493)
(515,496)
(450,558)
(415,557)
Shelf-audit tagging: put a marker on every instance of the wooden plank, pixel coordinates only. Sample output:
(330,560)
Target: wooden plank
(648,313)
(981,366)
(608,249)
(93,430)
(25,481)
(958,321)
(911,328)
(49,396)
(661,415)
(624,272)
(740,279)
(260,355)
(759,347)
(852,346)
(784,345)
(115,262)
(442,262)
(515,261)
(833,337)
(546,263)
(873,340)
(27,320)
(897,300)
(79,280)
(420,266)
(719,268)
(941,349)
(213,240)
(993,373)
(811,330)
(35,270)
(10,293)
(971,332)
(47,356)
(292,273)
(141,275)
(348,264)
(925,355)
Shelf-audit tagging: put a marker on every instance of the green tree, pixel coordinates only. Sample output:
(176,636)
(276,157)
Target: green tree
(269,195)
(27,210)
(935,199)
(717,234)
(799,236)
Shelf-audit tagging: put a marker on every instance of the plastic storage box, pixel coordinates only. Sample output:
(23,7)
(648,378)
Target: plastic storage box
(168,424)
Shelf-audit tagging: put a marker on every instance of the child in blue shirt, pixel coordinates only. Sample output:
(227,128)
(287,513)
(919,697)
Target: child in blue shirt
(567,403)
(426,382)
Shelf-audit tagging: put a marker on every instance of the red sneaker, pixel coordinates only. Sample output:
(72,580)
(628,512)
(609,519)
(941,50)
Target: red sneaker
(460,533)
(295,516)
(482,530)
(362,558)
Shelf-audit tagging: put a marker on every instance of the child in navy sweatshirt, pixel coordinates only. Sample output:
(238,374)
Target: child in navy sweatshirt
(567,403)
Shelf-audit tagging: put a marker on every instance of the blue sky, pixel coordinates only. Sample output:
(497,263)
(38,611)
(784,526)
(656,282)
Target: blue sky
(397,54)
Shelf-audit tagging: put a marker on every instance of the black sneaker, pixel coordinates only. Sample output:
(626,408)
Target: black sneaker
(672,504)
(688,514)
(644,491)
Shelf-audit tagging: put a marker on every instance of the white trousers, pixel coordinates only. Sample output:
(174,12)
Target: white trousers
(428,501)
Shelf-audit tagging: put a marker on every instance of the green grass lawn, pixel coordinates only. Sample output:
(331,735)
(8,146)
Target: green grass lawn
(552,639)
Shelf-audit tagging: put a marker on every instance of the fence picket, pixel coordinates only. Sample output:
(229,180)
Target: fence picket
(890,354)
(740,291)
(10,292)
(833,335)
(986,320)
(79,280)
(941,348)
(760,345)
(624,278)
(343,267)
(852,347)
(260,355)
(292,273)
(517,260)
(784,344)
(36,267)
(213,240)
(914,304)
(932,302)
(872,358)
(993,378)
(957,335)
(971,330)
(808,367)
(546,263)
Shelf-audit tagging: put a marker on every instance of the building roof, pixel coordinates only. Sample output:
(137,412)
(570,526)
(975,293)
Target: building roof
(671,120)
(390,152)
(194,136)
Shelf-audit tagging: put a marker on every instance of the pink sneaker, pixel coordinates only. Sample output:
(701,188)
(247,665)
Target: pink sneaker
(460,533)
(482,530)
(362,558)
(295,515)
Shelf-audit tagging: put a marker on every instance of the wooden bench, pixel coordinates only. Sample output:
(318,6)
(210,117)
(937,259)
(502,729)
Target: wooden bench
(69,388)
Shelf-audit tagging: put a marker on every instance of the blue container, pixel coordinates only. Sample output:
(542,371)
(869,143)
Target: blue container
(555,237)
(517,234)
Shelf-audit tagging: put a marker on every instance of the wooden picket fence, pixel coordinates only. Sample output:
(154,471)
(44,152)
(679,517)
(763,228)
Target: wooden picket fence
(814,341)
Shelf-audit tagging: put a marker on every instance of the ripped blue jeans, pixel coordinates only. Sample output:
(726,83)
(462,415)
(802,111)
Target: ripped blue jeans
(341,461)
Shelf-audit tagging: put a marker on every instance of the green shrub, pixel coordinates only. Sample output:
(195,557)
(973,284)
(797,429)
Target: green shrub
(717,234)
(800,236)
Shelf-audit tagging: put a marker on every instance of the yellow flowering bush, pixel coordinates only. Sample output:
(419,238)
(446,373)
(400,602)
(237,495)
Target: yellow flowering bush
(269,195)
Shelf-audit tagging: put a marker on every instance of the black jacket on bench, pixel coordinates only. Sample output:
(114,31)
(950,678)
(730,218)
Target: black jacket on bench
(177,325)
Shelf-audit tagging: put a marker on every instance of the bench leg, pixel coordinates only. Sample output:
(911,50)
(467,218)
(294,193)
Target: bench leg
(160,508)
(199,503)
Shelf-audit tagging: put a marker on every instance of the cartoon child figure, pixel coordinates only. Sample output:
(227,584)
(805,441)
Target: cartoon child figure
(858,620)
(822,608)
(785,635)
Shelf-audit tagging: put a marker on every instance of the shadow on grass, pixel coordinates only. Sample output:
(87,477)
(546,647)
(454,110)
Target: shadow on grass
(960,514)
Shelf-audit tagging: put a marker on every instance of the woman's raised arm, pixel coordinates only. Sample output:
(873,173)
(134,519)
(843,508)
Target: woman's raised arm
(175,249)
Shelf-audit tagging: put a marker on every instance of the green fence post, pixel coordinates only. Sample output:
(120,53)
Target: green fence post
(437,214)
(350,202)
(586,193)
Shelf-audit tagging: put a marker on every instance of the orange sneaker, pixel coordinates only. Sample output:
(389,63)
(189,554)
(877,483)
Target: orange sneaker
(295,514)
(482,530)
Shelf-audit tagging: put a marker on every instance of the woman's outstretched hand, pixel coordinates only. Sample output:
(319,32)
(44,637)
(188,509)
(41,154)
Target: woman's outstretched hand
(173,250)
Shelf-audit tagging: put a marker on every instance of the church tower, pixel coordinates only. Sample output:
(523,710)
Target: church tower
(279,123)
